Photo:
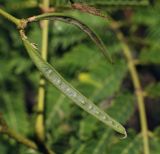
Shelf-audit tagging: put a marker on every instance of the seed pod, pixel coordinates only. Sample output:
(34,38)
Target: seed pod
(67,89)
(71,20)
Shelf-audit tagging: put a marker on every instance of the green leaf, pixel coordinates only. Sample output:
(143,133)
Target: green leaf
(14,111)
(129,146)
(102,2)
(153,90)
(155,142)
(113,2)
(150,55)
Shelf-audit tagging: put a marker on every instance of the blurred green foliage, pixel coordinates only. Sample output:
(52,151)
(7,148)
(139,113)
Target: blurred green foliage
(69,129)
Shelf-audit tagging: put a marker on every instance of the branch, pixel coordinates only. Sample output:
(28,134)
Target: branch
(137,85)
(4,129)
(20,23)
(10,17)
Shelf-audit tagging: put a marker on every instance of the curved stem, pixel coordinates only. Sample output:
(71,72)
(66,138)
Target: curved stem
(25,141)
(137,85)
(40,120)
(21,139)
(4,129)
(10,17)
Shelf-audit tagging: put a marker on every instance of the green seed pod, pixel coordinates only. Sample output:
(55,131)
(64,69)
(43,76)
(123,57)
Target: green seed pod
(67,89)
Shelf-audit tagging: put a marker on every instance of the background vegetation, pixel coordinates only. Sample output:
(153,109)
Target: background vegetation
(70,130)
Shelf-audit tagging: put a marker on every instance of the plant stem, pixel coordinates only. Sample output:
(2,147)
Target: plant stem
(4,129)
(21,139)
(40,121)
(10,17)
(137,86)
(25,141)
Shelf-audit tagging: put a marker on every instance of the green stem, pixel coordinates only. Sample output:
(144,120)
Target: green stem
(4,129)
(10,17)
(21,139)
(137,85)
(40,120)
(25,141)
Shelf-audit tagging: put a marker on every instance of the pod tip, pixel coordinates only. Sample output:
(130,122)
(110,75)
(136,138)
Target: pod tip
(125,135)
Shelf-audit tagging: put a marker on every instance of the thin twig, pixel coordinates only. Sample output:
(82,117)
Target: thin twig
(11,18)
(21,139)
(4,129)
(20,23)
(137,85)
